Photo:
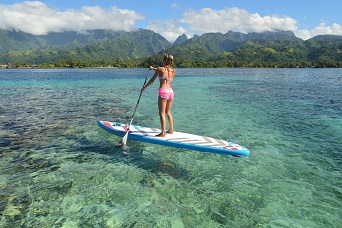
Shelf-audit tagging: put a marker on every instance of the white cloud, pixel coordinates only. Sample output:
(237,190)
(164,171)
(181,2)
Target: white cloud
(321,29)
(170,29)
(175,6)
(304,34)
(38,19)
(235,19)
(209,20)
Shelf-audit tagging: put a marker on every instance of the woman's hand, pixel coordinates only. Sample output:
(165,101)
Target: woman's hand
(152,68)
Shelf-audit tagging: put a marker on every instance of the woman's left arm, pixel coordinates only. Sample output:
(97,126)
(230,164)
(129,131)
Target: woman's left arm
(150,82)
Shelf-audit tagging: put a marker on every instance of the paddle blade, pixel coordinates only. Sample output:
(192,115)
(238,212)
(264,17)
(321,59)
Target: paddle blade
(123,141)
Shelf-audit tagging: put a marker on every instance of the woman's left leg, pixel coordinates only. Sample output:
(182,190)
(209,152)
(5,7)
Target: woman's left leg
(162,103)
(169,115)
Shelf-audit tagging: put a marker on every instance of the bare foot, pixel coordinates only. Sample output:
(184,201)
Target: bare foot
(169,132)
(160,135)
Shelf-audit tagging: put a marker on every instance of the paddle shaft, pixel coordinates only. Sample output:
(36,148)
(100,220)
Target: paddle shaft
(136,106)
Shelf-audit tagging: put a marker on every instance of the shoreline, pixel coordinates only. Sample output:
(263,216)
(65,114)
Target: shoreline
(47,67)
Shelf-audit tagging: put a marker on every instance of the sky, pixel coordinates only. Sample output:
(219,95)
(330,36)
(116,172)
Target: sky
(171,18)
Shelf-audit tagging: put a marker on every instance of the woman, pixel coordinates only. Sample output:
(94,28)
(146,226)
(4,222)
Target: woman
(165,74)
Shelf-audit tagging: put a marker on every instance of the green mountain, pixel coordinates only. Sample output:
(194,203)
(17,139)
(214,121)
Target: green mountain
(280,48)
(181,39)
(19,41)
(324,48)
(267,49)
(213,46)
(96,45)
(272,47)
(12,40)
(205,47)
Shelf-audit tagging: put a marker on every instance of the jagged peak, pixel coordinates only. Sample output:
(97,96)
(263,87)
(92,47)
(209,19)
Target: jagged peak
(181,39)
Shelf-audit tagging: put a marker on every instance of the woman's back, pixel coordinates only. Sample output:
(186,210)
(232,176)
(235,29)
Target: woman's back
(166,75)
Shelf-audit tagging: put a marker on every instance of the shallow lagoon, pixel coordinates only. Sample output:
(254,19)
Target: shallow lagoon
(59,169)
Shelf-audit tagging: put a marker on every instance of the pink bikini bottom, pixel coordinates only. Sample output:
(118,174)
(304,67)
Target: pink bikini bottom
(166,93)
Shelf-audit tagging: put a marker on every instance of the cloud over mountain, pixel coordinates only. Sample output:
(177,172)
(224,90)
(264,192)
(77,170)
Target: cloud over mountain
(38,19)
(321,29)
(234,19)
(209,20)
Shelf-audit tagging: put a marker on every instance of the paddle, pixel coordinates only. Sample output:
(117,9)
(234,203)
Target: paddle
(123,141)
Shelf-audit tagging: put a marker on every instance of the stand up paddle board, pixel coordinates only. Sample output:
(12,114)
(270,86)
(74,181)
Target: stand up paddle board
(177,139)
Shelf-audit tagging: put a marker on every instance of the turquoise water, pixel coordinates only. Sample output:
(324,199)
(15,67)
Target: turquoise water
(59,169)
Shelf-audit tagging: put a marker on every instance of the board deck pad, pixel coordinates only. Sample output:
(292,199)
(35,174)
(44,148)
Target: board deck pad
(177,139)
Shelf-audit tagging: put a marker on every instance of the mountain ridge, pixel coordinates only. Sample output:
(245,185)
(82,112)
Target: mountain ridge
(146,45)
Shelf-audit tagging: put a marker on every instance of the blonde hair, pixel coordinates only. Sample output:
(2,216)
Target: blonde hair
(168,59)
